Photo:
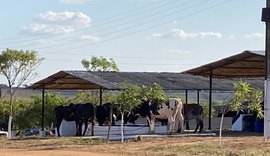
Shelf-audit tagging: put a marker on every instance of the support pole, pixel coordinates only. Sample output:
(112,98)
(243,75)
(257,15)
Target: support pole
(186,96)
(43,108)
(198,96)
(100,96)
(187,123)
(266,19)
(210,99)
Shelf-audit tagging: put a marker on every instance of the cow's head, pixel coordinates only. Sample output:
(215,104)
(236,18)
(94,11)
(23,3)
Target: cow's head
(70,109)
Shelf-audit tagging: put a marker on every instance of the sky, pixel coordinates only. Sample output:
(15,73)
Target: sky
(140,35)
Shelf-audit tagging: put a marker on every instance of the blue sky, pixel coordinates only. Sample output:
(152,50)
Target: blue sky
(141,35)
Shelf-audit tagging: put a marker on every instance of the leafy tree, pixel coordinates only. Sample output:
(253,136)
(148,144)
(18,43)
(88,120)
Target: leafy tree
(243,93)
(17,66)
(153,93)
(99,64)
(27,113)
(20,106)
(205,106)
(86,96)
(52,100)
(128,98)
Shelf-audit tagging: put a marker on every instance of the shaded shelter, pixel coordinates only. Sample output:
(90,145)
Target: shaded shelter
(248,64)
(86,80)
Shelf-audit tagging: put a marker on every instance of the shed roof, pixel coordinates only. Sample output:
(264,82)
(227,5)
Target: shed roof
(72,80)
(246,64)
(69,80)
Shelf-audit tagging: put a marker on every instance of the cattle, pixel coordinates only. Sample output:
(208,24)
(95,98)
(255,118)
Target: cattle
(171,110)
(80,113)
(151,110)
(143,110)
(63,112)
(194,111)
(103,113)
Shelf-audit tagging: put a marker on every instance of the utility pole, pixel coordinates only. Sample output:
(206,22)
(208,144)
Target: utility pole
(266,19)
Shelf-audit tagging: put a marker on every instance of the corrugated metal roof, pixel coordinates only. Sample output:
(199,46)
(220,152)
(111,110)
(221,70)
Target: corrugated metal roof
(71,80)
(245,64)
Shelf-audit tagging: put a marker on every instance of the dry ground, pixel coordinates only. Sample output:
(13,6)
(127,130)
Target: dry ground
(233,144)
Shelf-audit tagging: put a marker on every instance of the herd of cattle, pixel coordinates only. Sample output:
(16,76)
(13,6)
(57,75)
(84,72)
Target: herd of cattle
(173,113)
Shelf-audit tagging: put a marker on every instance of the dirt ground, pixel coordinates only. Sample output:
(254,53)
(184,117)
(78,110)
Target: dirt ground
(69,146)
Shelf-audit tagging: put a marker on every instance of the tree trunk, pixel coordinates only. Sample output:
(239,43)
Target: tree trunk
(220,129)
(10,113)
(122,127)
(9,127)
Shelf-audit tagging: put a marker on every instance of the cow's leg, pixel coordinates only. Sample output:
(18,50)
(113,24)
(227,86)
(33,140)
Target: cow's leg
(201,125)
(171,125)
(85,127)
(151,124)
(93,125)
(187,125)
(197,125)
(58,123)
(77,128)
(80,128)
(179,122)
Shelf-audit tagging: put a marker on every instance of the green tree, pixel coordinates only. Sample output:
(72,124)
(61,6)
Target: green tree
(100,64)
(20,106)
(18,67)
(85,96)
(92,97)
(242,94)
(153,93)
(205,106)
(52,100)
(129,97)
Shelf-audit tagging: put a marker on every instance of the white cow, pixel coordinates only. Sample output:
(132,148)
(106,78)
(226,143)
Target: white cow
(172,110)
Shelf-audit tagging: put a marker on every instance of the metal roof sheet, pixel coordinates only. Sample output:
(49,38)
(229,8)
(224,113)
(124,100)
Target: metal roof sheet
(245,64)
(68,80)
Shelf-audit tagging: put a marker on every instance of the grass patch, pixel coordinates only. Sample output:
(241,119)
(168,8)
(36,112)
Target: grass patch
(83,141)
(197,149)
(207,149)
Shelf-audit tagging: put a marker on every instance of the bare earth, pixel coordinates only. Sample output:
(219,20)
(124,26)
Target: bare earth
(69,146)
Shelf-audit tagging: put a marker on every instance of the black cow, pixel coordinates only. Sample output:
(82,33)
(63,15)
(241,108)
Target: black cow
(142,110)
(103,113)
(63,112)
(82,114)
(194,111)
(190,112)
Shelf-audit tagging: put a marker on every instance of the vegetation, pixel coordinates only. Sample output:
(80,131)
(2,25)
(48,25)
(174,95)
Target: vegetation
(153,93)
(27,113)
(205,106)
(128,98)
(243,93)
(100,64)
(244,98)
(18,67)
(93,97)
